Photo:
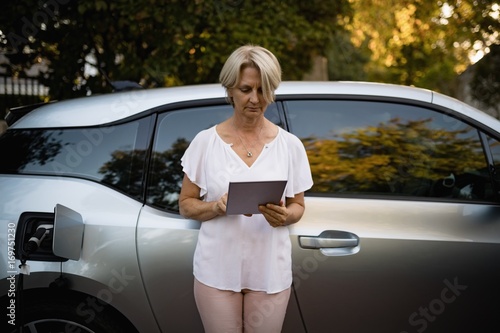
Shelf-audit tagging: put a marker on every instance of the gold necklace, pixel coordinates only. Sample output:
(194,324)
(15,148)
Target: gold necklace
(249,153)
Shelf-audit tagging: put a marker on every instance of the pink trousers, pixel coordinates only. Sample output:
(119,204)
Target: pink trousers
(224,311)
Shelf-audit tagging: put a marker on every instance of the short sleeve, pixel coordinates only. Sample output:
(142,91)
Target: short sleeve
(193,160)
(299,171)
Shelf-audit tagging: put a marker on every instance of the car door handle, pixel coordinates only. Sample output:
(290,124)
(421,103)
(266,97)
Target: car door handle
(320,242)
(332,242)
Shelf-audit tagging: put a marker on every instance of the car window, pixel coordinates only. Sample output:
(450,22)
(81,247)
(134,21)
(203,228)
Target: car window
(494,146)
(381,148)
(174,132)
(113,155)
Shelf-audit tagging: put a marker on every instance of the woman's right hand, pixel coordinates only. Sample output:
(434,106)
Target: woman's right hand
(191,206)
(220,205)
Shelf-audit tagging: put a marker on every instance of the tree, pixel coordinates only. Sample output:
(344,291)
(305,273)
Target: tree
(158,42)
(345,60)
(422,43)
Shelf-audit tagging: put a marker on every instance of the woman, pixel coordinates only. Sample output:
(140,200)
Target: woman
(242,263)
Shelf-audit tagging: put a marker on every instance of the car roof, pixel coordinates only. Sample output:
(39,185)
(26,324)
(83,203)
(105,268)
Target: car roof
(102,109)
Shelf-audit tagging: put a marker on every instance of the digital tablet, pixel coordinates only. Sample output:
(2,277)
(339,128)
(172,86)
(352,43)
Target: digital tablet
(245,197)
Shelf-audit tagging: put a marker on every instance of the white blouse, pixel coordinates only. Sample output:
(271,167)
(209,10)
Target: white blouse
(236,252)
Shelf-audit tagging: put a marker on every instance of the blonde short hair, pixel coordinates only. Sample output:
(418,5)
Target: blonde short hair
(257,57)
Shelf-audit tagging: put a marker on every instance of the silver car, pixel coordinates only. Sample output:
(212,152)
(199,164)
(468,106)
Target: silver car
(401,231)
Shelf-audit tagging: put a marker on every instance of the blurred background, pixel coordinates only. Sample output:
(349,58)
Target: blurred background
(60,49)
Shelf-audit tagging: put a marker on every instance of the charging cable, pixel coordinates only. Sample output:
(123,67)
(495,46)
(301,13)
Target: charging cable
(34,242)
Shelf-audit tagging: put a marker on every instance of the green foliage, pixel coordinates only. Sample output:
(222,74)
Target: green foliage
(85,43)
(159,42)
(345,61)
(422,43)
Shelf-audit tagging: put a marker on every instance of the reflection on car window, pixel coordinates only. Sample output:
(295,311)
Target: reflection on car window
(495,150)
(174,131)
(377,148)
(111,155)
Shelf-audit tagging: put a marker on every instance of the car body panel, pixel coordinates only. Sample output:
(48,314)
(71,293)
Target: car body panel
(165,248)
(466,110)
(396,263)
(409,253)
(108,267)
(88,111)
(167,271)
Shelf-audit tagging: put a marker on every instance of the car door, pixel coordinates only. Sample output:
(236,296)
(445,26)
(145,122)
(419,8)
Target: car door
(165,240)
(401,231)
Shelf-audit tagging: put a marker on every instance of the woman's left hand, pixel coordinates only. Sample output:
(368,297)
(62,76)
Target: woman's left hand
(276,215)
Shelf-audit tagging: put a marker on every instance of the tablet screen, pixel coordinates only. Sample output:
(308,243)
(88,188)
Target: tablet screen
(245,197)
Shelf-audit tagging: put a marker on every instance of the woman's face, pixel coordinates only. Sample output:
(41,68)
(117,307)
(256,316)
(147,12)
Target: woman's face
(247,95)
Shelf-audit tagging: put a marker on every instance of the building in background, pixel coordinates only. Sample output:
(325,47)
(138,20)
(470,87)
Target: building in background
(22,89)
(479,84)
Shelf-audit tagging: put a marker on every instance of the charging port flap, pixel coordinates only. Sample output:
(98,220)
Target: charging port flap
(68,233)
